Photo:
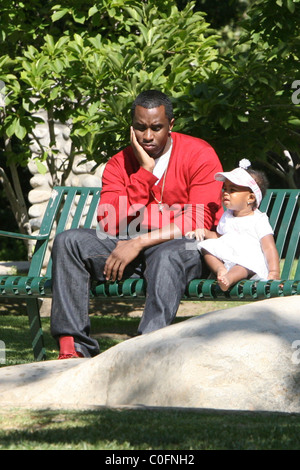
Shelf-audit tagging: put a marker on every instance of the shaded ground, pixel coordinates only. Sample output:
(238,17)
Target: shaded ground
(138,429)
(120,310)
(125,308)
(128,307)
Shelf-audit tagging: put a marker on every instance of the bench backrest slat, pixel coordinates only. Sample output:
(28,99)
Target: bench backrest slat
(72,207)
(50,215)
(283,209)
(292,252)
(68,207)
(285,224)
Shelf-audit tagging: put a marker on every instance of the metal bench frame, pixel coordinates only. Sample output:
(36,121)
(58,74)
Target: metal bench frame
(74,207)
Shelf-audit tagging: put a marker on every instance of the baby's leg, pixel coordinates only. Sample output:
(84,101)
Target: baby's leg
(214,264)
(225,278)
(235,274)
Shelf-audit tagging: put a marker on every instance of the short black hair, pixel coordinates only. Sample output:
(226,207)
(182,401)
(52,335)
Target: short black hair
(153,99)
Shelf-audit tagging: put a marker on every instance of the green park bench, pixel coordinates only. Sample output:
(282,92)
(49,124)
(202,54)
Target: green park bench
(72,207)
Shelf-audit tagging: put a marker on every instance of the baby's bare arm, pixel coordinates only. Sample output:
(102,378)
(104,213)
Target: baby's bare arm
(271,255)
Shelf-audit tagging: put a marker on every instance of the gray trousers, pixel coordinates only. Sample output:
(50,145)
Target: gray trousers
(79,256)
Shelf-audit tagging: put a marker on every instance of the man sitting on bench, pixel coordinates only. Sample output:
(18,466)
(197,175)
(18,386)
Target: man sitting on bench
(153,192)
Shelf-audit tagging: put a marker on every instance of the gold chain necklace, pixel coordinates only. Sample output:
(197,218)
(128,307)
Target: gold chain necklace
(160,203)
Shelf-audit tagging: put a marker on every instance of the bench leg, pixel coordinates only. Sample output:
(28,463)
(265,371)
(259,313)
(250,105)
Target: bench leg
(36,331)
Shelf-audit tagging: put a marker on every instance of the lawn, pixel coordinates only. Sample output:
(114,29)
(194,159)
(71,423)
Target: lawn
(112,429)
(131,429)
(15,334)
(117,321)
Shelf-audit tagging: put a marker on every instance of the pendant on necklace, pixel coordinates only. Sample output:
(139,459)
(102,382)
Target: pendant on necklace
(160,207)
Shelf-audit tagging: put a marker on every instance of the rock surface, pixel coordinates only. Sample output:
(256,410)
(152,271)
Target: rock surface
(243,358)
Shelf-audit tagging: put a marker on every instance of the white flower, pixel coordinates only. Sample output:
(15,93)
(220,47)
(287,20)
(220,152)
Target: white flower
(244,163)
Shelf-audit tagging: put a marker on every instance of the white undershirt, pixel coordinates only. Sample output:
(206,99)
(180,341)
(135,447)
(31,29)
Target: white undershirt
(161,163)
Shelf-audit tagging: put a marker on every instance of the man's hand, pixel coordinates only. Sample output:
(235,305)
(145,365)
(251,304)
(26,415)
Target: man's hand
(141,155)
(198,234)
(125,252)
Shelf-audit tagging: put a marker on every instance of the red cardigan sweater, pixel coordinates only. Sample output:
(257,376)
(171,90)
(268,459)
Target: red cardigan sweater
(191,196)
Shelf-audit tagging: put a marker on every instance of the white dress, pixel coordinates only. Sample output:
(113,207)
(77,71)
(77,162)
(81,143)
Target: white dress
(240,242)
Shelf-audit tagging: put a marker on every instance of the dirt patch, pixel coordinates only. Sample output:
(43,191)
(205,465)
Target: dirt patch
(128,307)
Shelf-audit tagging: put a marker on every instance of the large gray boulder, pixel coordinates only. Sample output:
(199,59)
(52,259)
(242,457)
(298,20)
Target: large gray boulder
(243,358)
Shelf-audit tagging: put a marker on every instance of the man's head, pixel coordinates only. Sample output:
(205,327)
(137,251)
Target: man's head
(152,121)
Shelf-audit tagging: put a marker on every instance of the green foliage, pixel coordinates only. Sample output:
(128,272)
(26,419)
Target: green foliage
(88,78)
(85,61)
(245,107)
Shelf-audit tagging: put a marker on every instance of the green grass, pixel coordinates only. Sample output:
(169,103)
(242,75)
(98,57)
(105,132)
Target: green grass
(152,429)
(15,333)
